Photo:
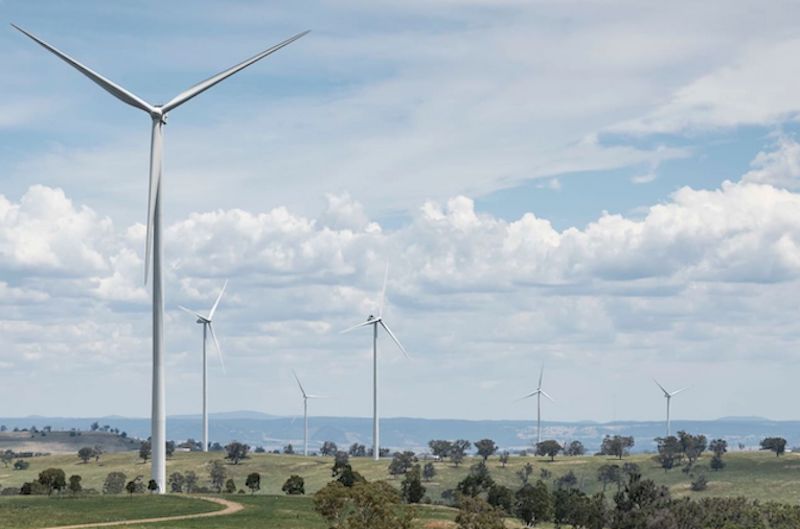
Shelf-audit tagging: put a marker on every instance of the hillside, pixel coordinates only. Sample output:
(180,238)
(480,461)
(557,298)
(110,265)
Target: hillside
(64,442)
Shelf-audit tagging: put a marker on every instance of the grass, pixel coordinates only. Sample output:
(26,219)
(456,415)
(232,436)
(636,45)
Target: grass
(756,475)
(28,512)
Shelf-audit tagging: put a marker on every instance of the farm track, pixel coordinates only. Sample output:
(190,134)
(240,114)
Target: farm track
(231,507)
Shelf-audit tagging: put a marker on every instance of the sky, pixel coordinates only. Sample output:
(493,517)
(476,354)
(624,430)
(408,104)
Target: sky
(608,189)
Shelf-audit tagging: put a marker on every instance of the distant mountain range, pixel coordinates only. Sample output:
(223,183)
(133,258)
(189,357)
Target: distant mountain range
(274,432)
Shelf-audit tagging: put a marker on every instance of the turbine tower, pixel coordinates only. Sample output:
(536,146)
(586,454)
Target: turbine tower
(158,115)
(538,393)
(375,322)
(668,396)
(306,396)
(205,321)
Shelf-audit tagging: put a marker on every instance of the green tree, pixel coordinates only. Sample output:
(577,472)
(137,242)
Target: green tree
(176,482)
(6,457)
(477,513)
(440,448)
(501,497)
(670,452)
(575,448)
(53,479)
(548,448)
(401,462)
(363,506)
(152,486)
(428,471)
(458,450)
(114,483)
(775,444)
(236,452)
(478,481)
(617,445)
(533,504)
(190,478)
(135,486)
(85,454)
(411,488)
(503,458)
(692,446)
(253,482)
(524,474)
(21,464)
(217,473)
(328,448)
(230,486)
(357,450)
(294,485)
(485,448)
(144,451)
(718,446)
(75,484)
(607,474)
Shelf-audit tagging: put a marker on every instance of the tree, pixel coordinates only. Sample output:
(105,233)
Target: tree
(95,426)
(617,446)
(152,486)
(477,513)
(190,478)
(114,483)
(428,471)
(458,450)
(692,446)
(440,448)
(135,486)
(75,484)
(524,473)
(98,451)
(700,483)
(548,448)
(670,452)
(501,497)
(775,444)
(217,473)
(718,446)
(237,451)
(575,448)
(53,479)
(503,458)
(485,448)
(21,464)
(357,450)
(401,463)
(533,503)
(170,448)
(717,463)
(328,448)
(85,454)
(478,481)
(288,450)
(230,486)
(7,456)
(607,474)
(294,485)
(639,499)
(176,481)
(144,451)
(411,488)
(253,482)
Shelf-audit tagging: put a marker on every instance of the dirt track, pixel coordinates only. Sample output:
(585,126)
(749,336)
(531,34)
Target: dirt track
(230,508)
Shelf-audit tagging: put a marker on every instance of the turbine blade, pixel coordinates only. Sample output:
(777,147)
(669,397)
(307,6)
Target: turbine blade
(316,397)
(391,334)
(548,396)
(529,395)
(666,393)
(382,299)
(193,313)
(156,143)
(678,391)
(541,375)
(303,391)
(107,85)
(369,322)
(214,308)
(201,87)
(216,344)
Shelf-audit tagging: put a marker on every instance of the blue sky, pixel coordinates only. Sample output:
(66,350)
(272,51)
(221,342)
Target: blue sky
(608,188)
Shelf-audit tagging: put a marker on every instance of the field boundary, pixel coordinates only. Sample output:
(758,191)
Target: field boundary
(231,507)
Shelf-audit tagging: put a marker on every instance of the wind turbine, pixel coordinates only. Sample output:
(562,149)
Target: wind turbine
(538,393)
(306,396)
(668,396)
(205,321)
(375,322)
(158,114)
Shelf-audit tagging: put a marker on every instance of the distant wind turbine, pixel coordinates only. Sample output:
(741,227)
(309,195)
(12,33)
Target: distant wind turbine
(668,396)
(205,321)
(158,114)
(538,393)
(306,396)
(375,322)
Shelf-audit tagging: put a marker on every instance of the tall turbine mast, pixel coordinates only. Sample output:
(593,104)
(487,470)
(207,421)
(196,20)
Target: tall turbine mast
(668,395)
(538,394)
(375,322)
(206,322)
(306,396)
(158,115)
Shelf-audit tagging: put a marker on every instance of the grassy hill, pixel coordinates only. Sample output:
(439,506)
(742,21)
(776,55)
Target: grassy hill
(64,442)
(757,475)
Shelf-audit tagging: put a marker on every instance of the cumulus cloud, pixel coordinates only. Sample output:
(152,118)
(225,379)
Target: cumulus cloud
(779,167)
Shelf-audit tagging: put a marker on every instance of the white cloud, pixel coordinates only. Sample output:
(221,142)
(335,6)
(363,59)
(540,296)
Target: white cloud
(779,167)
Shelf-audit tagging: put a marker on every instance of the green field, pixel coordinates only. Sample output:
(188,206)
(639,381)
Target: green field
(756,475)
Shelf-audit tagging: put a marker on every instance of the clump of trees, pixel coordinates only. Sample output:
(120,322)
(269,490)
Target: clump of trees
(549,448)
(295,485)
(617,446)
(237,451)
(774,444)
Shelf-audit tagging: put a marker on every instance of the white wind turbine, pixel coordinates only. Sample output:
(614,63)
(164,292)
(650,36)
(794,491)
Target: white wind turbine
(375,322)
(158,114)
(206,322)
(668,395)
(306,396)
(538,393)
